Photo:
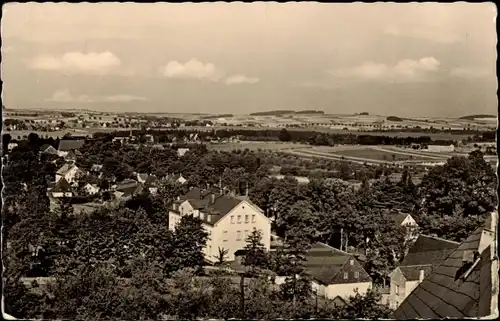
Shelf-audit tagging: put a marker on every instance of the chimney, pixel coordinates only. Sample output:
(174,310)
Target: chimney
(246,191)
(421,276)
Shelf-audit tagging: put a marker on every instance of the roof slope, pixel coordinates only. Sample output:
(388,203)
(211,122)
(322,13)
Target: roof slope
(324,262)
(399,217)
(211,202)
(428,250)
(62,185)
(412,272)
(65,168)
(446,293)
(70,144)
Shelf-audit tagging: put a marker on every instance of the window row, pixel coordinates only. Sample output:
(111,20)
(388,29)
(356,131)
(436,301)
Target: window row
(239,218)
(346,275)
(240,235)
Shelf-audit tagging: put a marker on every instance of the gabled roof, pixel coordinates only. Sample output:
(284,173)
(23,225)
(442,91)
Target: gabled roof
(202,200)
(428,250)
(46,148)
(412,272)
(62,185)
(65,168)
(142,176)
(399,217)
(325,262)
(130,190)
(452,291)
(70,144)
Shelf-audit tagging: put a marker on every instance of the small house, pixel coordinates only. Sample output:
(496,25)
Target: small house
(423,256)
(68,172)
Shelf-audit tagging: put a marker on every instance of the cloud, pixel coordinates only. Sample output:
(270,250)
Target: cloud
(404,70)
(241,79)
(78,62)
(65,96)
(471,73)
(193,69)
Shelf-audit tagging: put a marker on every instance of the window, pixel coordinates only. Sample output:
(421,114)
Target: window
(239,219)
(246,219)
(356,275)
(246,234)
(232,219)
(351,262)
(238,235)
(397,289)
(225,236)
(253,219)
(346,275)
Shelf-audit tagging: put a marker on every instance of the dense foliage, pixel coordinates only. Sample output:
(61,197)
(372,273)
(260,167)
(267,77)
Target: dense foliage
(124,263)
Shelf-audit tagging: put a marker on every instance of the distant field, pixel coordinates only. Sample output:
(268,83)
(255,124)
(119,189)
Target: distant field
(273,146)
(374,154)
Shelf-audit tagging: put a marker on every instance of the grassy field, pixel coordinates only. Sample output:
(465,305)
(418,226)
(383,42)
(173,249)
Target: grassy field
(374,154)
(272,146)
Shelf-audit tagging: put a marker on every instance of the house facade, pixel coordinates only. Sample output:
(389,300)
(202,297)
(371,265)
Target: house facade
(227,219)
(91,189)
(336,274)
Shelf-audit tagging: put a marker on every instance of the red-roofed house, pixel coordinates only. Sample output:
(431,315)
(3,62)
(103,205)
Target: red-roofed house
(227,219)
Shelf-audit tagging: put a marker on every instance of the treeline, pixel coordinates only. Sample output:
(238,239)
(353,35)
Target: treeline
(302,136)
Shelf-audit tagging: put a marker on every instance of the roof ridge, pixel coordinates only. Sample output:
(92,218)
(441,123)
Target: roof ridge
(333,248)
(439,239)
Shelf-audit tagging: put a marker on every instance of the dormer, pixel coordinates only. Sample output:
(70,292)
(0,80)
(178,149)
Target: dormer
(469,260)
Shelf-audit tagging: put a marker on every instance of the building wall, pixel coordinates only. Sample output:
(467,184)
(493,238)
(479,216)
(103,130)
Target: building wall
(398,288)
(71,175)
(409,287)
(226,234)
(347,289)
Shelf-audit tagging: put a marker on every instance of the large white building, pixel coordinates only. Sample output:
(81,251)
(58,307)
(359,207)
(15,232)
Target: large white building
(227,219)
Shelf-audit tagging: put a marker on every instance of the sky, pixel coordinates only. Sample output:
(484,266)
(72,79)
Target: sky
(431,60)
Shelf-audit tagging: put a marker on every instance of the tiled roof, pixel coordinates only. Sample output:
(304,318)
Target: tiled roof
(202,200)
(428,250)
(412,272)
(325,262)
(470,293)
(70,144)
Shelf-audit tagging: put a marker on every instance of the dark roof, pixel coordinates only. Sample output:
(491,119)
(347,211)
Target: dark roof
(443,294)
(130,190)
(202,200)
(428,250)
(399,217)
(412,272)
(70,144)
(324,262)
(62,185)
(44,147)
